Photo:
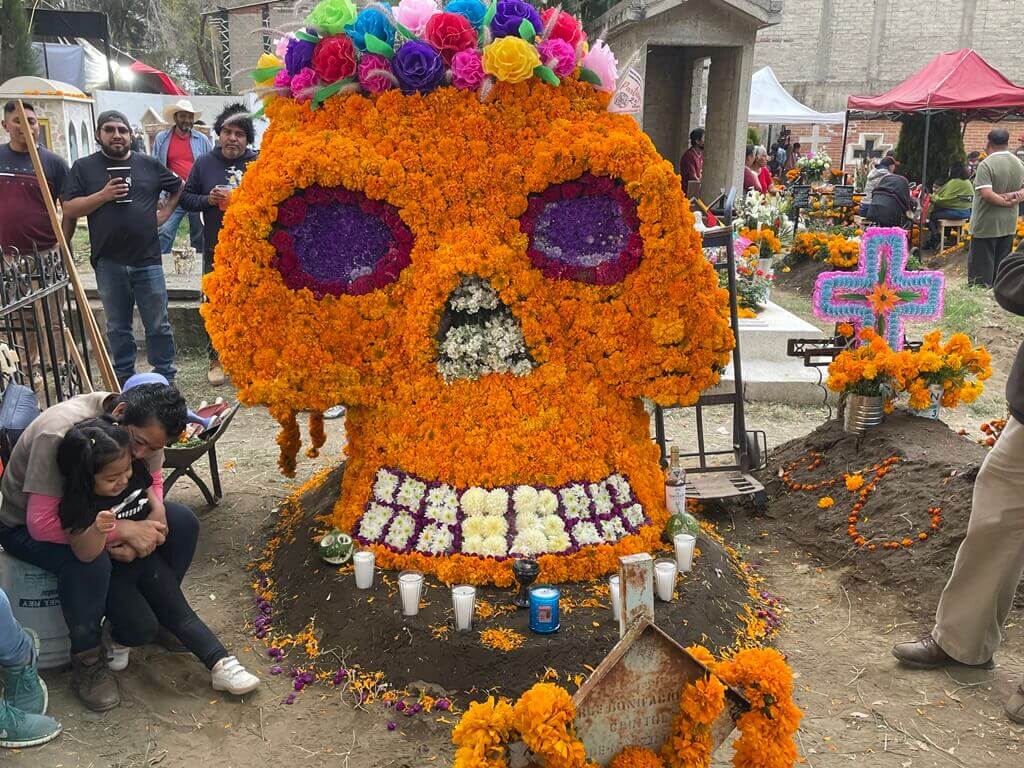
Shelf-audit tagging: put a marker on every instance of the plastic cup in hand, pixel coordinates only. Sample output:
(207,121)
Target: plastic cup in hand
(684,551)
(410,587)
(613,590)
(363,562)
(225,196)
(463,600)
(665,578)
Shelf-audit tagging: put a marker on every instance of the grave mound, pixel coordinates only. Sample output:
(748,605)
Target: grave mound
(931,467)
(718,604)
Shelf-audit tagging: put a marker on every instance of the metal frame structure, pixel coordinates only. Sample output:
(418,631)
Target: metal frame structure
(41,324)
(749,447)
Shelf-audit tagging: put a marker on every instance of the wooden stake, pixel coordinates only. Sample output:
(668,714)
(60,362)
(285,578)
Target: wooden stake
(76,356)
(99,346)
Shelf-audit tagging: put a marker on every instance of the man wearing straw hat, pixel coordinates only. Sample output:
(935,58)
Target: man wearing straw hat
(178,148)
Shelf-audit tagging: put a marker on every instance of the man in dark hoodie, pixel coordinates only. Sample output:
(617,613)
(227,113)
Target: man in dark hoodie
(210,184)
(977,599)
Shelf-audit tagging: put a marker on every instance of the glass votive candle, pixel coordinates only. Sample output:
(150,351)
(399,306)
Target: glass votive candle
(363,562)
(613,590)
(685,544)
(544,617)
(410,588)
(665,571)
(463,601)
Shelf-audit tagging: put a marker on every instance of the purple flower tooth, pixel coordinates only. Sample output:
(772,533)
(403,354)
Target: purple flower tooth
(391,726)
(275,670)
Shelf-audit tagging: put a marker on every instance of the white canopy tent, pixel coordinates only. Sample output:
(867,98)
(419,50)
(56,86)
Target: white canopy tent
(771,104)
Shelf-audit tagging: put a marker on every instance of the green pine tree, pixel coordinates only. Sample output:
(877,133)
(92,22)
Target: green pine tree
(945,145)
(16,54)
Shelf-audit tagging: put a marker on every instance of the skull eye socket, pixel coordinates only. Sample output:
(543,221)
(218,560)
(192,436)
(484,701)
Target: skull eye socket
(585,230)
(335,241)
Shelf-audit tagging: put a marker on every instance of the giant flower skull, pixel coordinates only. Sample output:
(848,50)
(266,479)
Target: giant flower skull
(491,287)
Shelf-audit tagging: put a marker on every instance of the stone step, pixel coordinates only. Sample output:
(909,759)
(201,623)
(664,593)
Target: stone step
(777,382)
(766,336)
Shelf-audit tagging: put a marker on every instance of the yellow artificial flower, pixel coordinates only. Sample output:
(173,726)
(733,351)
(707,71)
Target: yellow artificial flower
(510,59)
(267,61)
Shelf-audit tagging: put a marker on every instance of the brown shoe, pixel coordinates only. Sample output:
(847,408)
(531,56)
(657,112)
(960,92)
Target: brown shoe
(92,681)
(216,375)
(1015,706)
(926,654)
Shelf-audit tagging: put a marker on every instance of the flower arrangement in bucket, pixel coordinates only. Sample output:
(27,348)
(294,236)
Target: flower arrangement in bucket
(448,232)
(813,166)
(868,377)
(947,373)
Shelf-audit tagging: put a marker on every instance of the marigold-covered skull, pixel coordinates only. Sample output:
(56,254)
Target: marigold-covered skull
(491,286)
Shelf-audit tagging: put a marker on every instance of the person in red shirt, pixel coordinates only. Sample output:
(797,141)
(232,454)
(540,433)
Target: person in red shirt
(178,148)
(691,166)
(764,175)
(750,180)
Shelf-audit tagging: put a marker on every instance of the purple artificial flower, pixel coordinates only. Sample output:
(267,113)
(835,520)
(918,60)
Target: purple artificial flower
(373,73)
(298,56)
(510,14)
(418,67)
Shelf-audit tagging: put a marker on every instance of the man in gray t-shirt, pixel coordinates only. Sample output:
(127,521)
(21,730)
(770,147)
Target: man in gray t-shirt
(998,189)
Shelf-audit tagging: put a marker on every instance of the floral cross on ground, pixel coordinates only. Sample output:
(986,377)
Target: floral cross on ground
(882,293)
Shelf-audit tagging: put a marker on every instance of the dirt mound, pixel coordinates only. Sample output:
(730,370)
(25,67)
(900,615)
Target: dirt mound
(936,469)
(801,276)
(714,607)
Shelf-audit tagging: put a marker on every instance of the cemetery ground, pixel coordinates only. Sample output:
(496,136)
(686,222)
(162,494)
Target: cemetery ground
(860,707)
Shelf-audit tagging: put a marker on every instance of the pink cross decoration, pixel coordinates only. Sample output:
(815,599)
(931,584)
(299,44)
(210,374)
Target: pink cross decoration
(881,292)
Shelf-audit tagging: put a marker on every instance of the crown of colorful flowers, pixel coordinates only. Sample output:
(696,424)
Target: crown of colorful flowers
(416,46)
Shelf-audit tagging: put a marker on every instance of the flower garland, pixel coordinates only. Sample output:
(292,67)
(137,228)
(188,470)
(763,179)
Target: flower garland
(354,332)
(416,47)
(855,483)
(543,719)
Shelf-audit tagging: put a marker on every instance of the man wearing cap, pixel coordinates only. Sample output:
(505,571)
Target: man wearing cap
(119,190)
(178,148)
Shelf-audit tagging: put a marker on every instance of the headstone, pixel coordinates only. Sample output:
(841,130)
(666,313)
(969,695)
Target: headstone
(801,195)
(636,585)
(842,196)
(633,695)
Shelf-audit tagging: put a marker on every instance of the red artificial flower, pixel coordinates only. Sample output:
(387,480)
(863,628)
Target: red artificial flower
(334,58)
(566,27)
(450,33)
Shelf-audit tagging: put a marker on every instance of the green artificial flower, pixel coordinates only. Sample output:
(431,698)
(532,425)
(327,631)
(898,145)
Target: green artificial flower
(331,16)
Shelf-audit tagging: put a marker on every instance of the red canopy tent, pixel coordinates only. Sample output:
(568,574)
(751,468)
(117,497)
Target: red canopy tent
(159,81)
(961,82)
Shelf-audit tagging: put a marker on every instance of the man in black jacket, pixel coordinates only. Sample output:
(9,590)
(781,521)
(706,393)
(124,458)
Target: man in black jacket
(988,568)
(208,190)
(890,201)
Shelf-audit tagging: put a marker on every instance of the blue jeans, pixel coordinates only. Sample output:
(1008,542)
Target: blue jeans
(15,644)
(121,288)
(169,230)
(83,587)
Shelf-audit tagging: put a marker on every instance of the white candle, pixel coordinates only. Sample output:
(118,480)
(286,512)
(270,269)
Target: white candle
(363,562)
(665,578)
(613,589)
(463,599)
(684,551)
(410,587)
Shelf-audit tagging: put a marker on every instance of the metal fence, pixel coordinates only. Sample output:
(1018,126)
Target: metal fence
(41,325)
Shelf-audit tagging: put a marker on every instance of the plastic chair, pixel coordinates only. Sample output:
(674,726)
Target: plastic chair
(181,460)
(945,224)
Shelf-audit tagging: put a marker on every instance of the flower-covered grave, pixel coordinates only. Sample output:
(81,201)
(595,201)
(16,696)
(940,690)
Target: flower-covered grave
(448,232)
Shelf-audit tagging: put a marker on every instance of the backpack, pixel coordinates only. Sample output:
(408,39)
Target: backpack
(18,409)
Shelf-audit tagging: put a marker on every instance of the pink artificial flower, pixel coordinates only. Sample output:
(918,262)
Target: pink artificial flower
(371,77)
(467,70)
(281,46)
(304,83)
(601,61)
(283,80)
(558,55)
(414,14)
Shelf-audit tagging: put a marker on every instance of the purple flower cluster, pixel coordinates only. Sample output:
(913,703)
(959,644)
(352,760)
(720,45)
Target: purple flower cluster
(334,241)
(585,230)
(261,624)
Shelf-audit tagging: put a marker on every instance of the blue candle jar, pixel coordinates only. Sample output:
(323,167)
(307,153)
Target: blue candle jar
(544,617)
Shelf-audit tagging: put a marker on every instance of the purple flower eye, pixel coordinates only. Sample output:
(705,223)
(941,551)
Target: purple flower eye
(585,230)
(334,241)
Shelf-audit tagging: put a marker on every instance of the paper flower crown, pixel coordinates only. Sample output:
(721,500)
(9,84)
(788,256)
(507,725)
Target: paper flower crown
(416,46)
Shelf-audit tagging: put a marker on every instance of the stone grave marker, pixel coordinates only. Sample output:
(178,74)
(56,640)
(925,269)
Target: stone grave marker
(633,695)
(636,590)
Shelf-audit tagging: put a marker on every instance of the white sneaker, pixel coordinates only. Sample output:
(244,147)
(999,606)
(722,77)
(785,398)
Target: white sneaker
(117,657)
(229,675)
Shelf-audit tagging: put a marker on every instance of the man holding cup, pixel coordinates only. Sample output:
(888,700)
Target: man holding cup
(209,186)
(119,191)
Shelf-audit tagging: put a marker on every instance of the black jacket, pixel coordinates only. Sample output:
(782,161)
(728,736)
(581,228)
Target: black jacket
(890,201)
(1009,292)
(209,171)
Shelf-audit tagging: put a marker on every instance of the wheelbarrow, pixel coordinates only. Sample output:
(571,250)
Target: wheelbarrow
(181,459)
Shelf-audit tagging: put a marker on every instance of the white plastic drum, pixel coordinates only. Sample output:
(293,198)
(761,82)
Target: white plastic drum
(34,602)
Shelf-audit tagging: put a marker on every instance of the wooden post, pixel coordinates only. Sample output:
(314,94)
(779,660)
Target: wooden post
(99,346)
(76,356)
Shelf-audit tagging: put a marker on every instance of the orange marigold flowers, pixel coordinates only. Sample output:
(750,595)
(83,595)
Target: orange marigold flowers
(825,502)
(482,733)
(854,481)
(636,757)
(502,639)
(845,330)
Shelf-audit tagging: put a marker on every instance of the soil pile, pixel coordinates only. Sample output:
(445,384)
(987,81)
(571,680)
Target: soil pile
(937,468)
(366,627)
